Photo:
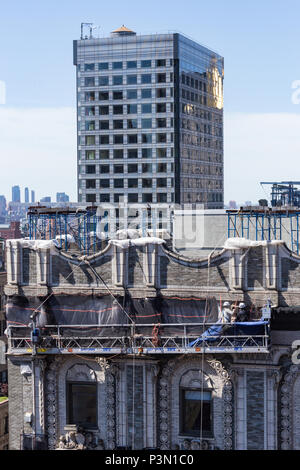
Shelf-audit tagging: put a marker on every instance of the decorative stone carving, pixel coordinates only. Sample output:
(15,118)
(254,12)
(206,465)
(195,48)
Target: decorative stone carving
(111,371)
(81,373)
(77,439)
(51,402)
(286,411)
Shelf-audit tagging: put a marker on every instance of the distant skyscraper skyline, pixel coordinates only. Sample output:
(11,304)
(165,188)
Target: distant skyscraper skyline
(26,195)
(16,194)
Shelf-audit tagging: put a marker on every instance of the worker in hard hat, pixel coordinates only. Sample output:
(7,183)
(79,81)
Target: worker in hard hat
(242,314)
(226,313)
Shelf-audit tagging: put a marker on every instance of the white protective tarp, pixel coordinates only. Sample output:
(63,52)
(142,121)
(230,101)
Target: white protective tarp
(37,244)
(136,242)
(244,243)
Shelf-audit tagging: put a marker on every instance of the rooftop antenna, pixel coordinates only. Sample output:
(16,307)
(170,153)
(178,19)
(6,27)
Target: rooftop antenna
(90,26)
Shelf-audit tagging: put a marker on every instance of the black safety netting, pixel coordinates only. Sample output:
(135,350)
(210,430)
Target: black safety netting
(116,315)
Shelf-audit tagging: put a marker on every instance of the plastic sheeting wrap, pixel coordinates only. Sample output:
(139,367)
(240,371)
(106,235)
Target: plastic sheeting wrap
(136,242)
(235,329)
(244,243)
(54,245)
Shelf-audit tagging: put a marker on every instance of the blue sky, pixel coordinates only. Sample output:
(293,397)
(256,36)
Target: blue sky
(260,42)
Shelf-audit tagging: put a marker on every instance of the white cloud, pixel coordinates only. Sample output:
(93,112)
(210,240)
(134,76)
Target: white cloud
(38,150)
(260,147)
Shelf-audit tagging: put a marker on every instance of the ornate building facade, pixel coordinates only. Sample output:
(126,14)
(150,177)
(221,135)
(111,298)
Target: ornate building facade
(88,373)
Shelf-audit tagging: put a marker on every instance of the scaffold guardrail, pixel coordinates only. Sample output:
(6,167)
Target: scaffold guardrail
(134,339)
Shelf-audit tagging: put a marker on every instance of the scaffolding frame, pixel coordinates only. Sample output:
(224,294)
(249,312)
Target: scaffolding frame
(267,224)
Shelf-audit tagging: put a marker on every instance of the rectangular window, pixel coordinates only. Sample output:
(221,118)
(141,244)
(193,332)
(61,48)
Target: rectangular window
(104,139)
(104,183)
(89,67)
(196,412)
(104,197)
(161,108)
(147,153)
(132,124)
(132,153)
(132,168)
(103,81)
(118,124)
(118,153)
(104,154)
(147,168)
(104,125)
(90,155)
(161,152)
(161,63)
(118,109)
(146,93)
(117,65)
(146,123)
(161,93)
(89,125)
(147,108)
(90,111)
(161,182)
(133,198)
(147,138)
(147,197)
(89,81)
(118,169)
(118,80)
(146,78)
(118,139)
(90,169)
(147,182)
(132,182)
(161,138)
(161,197)
(91,198)
(89,96)
(103,66)
(104,169)
(131,64)
(131,79)
(103,96)
(103,110)
(160,77)
(131,94)
(119,183)
(161,167)
(146,64)
(90,184)
(90,140)
(132,139)
(118,95)
(131,109)
(161,123)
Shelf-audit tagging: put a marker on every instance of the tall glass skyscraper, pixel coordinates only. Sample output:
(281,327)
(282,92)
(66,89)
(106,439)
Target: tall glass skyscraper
(150,119)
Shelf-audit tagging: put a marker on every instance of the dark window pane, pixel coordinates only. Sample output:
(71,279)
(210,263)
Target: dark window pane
(147,197)
(146,63)
(131,94)
(103,81)
(196,412)
(89,67)
(91,198)
(146,78)
(133,197)
(103,66)
(118,153)
(103,96)
(132,153)
(146,123)
(161,108)
(131,109)
(117,65)
(104,139)
(118,109)
(118,139)
(118,80)
(132,138)
(132,168)
(146,153)
(90,111)
(119,183)
(146,93)
(131,79)
(104,197)
(161,92)
(104,168)
(104,183)
(131,64)
(103,110)
(90,169)
(90,184)
(160,63)
(147,183)
(118,169)
(132,182)
(104,154)
(104,125)
(118,124)
(132,124)
(118,95)
(89,81)
(147,108)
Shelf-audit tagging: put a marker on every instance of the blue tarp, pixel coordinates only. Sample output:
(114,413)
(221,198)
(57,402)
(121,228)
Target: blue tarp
(234,329)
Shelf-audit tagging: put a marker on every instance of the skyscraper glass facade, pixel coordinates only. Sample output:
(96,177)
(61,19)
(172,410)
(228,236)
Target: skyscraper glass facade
(150,120)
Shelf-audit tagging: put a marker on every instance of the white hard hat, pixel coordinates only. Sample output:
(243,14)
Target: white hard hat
(226,304)
(242,305)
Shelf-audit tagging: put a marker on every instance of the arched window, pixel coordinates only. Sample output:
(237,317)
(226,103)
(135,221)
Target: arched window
(81,396)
